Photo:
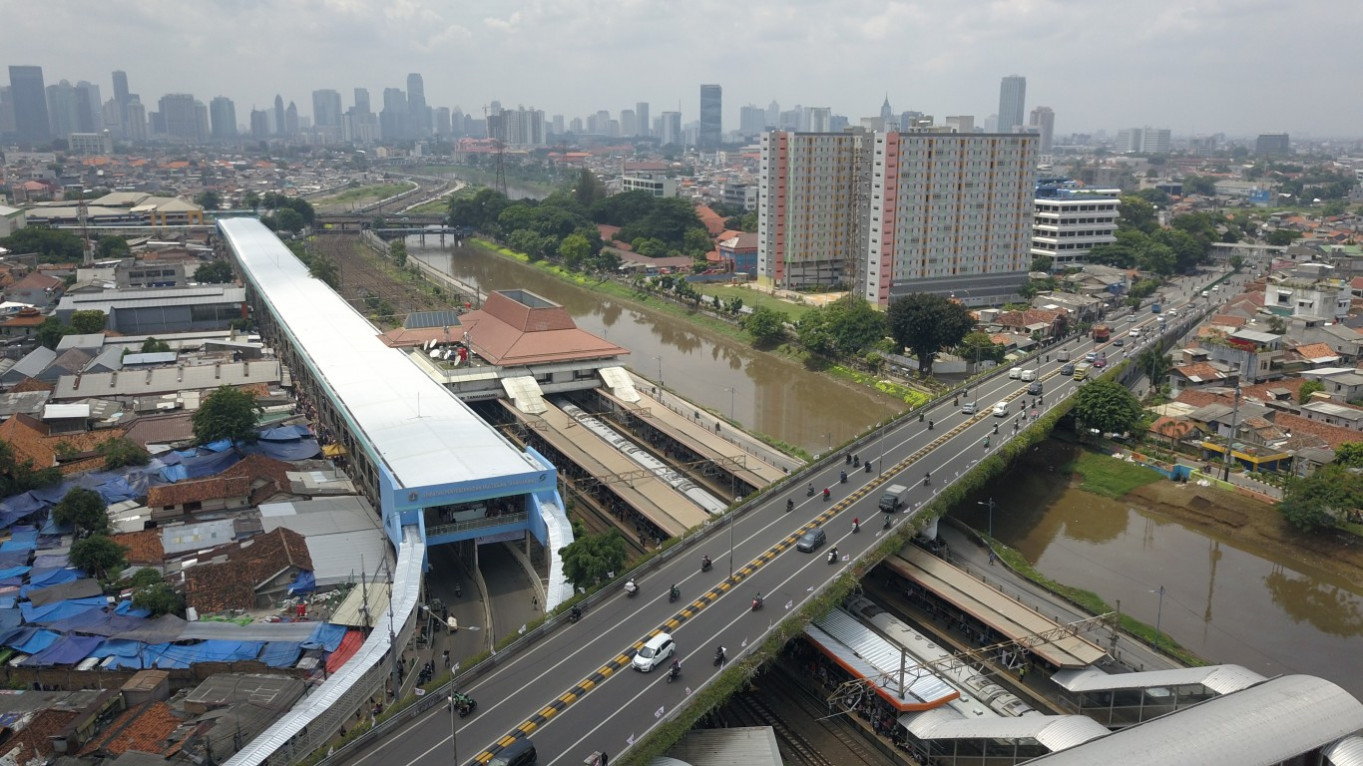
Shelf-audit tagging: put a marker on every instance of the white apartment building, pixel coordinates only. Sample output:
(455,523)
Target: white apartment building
(1309,290)
(885,214)
(657,185)
(1066,227)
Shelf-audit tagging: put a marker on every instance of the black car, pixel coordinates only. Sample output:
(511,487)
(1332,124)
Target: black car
(811,540)
(1067,370)
(1119,343)
(1035,389)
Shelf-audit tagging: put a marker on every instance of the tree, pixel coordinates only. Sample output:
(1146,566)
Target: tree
(1316,502)
(1237,262)
(1308,388)
(1107,406)
(251,200)
(227,413)
(1156,365)
(152,346)
(144,577)
(1138,214)
(288,219)
(118,452)
(397,250)
(97,555)
(1042,263)
(926,323)
(979,346)
(593,559)
(1349,454)
(83,509)
(1277,325)
(1281,237)
(588,189)
(321,267)
(855,324)
(575,249)
(110,246)
(813,333)
(214,272)
(18,476)
(765,326)
(87,322)
(51,245)
(158,598)
(51,331)
(208,200)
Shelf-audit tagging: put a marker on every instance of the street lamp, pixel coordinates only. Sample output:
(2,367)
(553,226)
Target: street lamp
(990,506)
(454,732)
(732,391)
(660,370)
(1159,614)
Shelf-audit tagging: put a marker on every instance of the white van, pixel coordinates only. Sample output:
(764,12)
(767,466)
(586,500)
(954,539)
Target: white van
(1029,375)
(1135,333)
(1015,373)
(1001,410)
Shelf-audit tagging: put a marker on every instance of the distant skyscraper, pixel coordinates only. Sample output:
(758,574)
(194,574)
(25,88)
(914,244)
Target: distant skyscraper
(135,120)
(31,124)
(752,120)
(260,124)
(442,125)
(278,115)
(181,118)
(6,113)
(961,123)
(326,113)
(1272,144)
(711,116)
(773,114)
(641,118)
(627,124)
(222,115)
(1012,98)
(671,132)
(89,114)
(61,109)
(393,118)
(121,88)
(820,119)
(291,120)
(1043,121)
(887,119)
(362,100)
(418,118)
(991,124)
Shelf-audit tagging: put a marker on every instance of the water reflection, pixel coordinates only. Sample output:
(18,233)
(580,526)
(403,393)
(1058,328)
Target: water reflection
(1223,599)
(766,393)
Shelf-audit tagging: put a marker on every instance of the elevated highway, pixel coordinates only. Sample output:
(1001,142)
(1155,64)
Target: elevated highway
(570,686)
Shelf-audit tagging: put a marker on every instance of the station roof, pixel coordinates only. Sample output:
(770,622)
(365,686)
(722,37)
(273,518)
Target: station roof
(1222,679)
(1268,723)
(865,654)
(1054,732)
(420,430)
(1009,617)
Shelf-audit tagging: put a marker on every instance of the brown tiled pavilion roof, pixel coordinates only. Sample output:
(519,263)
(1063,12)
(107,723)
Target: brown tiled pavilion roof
(232,584)
(216,488)
(145,728)
(509,333)
(142,547)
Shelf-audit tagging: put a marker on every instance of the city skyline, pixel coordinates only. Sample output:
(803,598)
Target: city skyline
(1194,67)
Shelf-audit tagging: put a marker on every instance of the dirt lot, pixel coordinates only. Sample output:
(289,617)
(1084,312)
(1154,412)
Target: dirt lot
(362,277)
(1253,523)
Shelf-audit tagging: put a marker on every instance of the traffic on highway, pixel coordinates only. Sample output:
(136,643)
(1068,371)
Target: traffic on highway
(579,689)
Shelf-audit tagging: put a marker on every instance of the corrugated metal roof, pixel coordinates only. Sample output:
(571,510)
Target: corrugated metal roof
(323,516)
(876,659)
(151,357)
(417,427)
(256,631)
(62,411)
(1222,679)
(1346,752)
(337,558)
(737,746)
(160,380)
(182,538)
(1055,732)
(1266,724)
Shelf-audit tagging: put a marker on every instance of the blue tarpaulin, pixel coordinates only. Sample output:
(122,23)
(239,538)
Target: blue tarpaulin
(13,572)
(117,647)
(326,636)
(50,560)
(285,433)
(184,655)
(19,507)
(221,445)
(34,642)
(210,464)
(44,578)
(126,608)
(305,582)
(67,650)
(10,619)
(301,449)
(21,538)
(13,559)
(281,654)
(61,610)
(174,473)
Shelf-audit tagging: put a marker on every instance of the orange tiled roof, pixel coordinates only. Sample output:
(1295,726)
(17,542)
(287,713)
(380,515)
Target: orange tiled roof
(214,587)
(142,547)
(1196,398)
(267,476)
(31,439)
(216,488)
(1199,372)
(713,222)
(145,728)
(1316,351)
(34,743)
(1332,435)
(1166,426)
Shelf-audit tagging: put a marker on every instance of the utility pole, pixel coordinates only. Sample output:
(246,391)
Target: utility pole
(1230,441)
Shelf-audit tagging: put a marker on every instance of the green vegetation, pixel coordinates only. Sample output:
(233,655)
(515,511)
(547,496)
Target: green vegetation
(594,559)
(1108,476)
(214,272)
(18,476)
(291,214)
(97,555)
(1142,243)
(910,396)
(754,298)
(52,330)
(1321,501)
(82,509)
(1107,406)
(356,194)
(118,452)
(227,413)
(765,326)
(51,245)
(926,323)
(1308,388)
(846,327)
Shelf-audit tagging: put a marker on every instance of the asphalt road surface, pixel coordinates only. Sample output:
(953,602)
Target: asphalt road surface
(574,691)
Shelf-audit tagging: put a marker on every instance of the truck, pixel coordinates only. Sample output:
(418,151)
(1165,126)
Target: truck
(1081,370)
(894,498)
(1101,333)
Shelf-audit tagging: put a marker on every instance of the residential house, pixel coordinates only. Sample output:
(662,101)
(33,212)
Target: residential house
(1334,414)
(34,440)
(247,574)
(1030,321)
(1084,308)
(218,493)
(30,366)
(36,289)
(1341,383)
(1257,355)
(1201,375)
(1309,356)
(23,324)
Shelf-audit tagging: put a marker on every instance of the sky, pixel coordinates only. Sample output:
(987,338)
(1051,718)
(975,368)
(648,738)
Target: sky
(1195,66)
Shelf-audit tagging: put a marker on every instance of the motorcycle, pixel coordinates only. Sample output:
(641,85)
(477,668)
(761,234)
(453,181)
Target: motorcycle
(463,703)
(826,494)
(631,588)
(790,505)
(842,477)
(809,491)
(719,656)
(757,602)
(705,564)
(856,526)
(930,424)
(673,594)
(575,614)
(674,672)
(868,466)
(856,461)
(927,479)
(833,556)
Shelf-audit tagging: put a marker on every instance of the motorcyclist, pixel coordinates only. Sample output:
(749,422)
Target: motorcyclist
(757,601)
(996,428)
(675,669)
(675,593)
(719,655)
(856,524)
(576,613)
(848,460)
(705,562)
(790,505)
(826,494)
(927,478)
(630,587)
(832,554)
(842,477)
(856,461)
(930,425)
(809,489)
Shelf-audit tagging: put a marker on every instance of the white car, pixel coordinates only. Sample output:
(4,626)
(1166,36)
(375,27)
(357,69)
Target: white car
(1015,373)
(1001,410)
(655,652)
(1172,312)
(1136,333)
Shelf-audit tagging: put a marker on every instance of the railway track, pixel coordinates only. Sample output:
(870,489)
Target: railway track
(794,747)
